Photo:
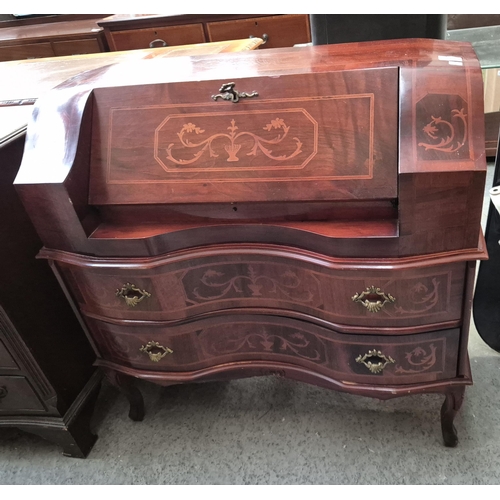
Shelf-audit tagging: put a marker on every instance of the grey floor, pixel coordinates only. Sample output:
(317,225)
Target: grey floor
(275,431)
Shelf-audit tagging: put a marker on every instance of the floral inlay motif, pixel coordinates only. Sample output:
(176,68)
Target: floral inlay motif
(419,359)
(294,343)
(422,298)
(259,285)
(445,134)
(232,147)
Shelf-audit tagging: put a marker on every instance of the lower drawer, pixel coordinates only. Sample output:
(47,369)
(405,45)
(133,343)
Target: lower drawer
(369,359)
(74,47)
(26,51)
(17,395)
(6,360)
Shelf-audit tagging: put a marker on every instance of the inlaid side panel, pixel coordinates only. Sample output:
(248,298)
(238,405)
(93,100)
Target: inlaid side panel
(326,136)
(367,297)
(370,359)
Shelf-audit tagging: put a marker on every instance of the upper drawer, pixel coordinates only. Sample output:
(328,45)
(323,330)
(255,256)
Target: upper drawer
(157,37)
(208,284)
(322,136)
(276,31)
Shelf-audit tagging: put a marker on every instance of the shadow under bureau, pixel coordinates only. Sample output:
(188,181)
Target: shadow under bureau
(311,213)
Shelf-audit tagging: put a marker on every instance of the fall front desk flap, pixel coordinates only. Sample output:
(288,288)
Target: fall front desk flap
(319,137)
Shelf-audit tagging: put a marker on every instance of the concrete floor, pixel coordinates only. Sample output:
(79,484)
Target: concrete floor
(275,431)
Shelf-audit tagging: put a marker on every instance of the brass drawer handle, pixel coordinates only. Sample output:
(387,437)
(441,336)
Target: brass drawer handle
(229,94)
(160,353)
(131,294)
(158,43)
(3,392)
(265,38)
(374,360)
(373,299)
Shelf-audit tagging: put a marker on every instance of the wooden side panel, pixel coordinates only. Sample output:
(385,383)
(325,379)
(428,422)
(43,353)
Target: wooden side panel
(439,211)
(326,136)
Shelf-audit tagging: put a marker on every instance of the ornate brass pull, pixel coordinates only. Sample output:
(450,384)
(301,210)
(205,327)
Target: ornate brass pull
(3,392)
(157,43)
(374,360)
(229,94)
(131,294)
(373,299)
(160,353)
(265,38)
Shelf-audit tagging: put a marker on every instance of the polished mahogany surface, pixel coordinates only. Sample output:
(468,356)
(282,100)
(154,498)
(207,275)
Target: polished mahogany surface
(310,212)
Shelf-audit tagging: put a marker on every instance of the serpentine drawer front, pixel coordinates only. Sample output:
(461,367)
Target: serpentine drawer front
(171,289)
(370,359)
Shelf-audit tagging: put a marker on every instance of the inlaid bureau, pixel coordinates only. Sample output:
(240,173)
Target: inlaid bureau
(311,213)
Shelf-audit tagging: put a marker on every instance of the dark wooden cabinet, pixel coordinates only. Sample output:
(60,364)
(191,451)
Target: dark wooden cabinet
(312,213)
(140,31)
(51,39)
(48,384)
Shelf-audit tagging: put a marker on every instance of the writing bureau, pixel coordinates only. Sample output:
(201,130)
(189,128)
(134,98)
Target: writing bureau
(311,213)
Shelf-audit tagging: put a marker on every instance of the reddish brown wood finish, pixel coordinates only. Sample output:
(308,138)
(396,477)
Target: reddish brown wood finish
(246,257)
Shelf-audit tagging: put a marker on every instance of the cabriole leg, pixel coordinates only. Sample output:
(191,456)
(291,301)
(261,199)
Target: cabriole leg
(126,385)
(451,406)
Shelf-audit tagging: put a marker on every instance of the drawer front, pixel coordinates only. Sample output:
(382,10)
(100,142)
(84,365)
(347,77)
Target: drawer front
(407,297)
(17,395)
(291,142)
(369,359)
(26,51)
(281,31)
(6,360)
(74,47)
(170,35)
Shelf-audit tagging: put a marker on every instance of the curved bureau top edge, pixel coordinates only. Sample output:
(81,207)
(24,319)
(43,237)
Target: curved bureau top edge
(273,62)
(266,250)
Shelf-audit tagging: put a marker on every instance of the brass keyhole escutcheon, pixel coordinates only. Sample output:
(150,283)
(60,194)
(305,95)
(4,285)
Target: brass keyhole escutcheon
(131,294)
(155,351)
(374,360)
(229,93)
(373,299)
